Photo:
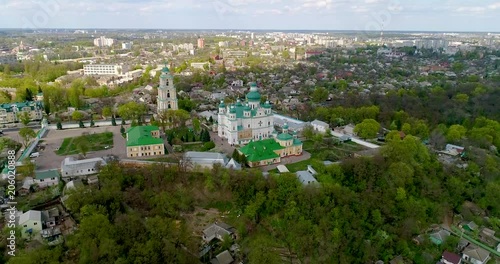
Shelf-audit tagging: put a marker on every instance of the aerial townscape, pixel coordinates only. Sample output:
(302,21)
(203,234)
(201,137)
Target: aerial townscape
(229,146)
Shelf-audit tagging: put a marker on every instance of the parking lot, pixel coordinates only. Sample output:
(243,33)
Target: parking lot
(48,158)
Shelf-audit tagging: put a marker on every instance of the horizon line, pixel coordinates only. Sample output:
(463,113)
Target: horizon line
(270,29)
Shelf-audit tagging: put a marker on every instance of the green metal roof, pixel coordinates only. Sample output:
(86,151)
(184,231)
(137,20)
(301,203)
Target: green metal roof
(165,69)
(285,136)
(253,96)
(21,105)
(297,142)
(141,135)
(261,150)
(46,174)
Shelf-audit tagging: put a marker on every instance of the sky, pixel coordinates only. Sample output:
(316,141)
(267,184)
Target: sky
(364,15)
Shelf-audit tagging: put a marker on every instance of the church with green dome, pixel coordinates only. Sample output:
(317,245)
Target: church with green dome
(251,123)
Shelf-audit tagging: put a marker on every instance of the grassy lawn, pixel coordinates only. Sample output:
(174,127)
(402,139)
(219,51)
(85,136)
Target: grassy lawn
(97,142)
(192,147)
(324,152)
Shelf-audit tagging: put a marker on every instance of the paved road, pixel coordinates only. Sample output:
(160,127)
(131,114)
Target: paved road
(50,160)
(357,141)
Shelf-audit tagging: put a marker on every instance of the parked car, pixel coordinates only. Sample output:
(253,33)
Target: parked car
(35,155)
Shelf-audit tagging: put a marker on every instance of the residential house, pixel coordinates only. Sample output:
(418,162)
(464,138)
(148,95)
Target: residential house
(320,126)
(454,150)
(450,258)
(71,167)
(475,254)
(144,141)
(218,230)
(348,130)
(439,237)
(46,178)
(223,258)
(30,223)
(470,226)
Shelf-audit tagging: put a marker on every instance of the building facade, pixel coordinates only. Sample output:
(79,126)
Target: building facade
(9,113)
(201,43)
(270,151)
(103,42)
(71,167)
(144,141)
(102,69)
(241,123)
(167,94)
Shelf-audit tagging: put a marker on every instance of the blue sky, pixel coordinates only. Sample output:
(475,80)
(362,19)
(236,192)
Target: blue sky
(428,15)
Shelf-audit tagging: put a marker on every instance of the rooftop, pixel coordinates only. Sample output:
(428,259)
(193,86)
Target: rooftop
(261,150)
(141,135)
(46,174)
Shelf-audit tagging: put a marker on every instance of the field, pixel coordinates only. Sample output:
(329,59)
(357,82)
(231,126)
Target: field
(97,142)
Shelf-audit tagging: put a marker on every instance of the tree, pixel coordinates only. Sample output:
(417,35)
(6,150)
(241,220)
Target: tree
(29,95)
(196,125)
(82,145)
(27,134)
(455,133)
(308,132)
(59,125)
(113,121)
(131,110)
(80,124)
(367,129)
(77,116)
(107,112)
(122,129)
(92,124)
(27,169)
(319,95)
(211,120)
(24,117)
(236,155)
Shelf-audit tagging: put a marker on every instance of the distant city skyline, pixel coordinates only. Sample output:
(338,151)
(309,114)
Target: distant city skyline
(360,15)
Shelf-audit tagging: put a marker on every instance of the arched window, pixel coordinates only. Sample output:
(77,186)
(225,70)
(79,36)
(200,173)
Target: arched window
(169,106)
(168,94)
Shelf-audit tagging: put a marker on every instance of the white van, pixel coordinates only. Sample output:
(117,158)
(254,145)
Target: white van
(34,155)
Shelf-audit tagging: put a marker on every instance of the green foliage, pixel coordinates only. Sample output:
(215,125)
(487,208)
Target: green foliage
(367,129)
(113,121)
(455,133)
(59,125)
(319,95)
(24,117)
(208,146)
(27,134)
(77,116)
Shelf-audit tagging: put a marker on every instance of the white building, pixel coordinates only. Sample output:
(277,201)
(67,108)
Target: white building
(475,255)
(240,123)
(103,42)
(209,159)
(320,126)
(71,167)
(30,223)
(46,178)
(167,94)
(102,69)
(127,45)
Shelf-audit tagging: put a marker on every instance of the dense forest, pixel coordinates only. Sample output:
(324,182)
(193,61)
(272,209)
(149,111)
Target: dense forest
(366,209)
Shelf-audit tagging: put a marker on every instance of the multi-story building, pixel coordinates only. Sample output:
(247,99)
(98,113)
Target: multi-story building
(144,141)
(201,43)
(9,113)
(167,94)
(103,42)
(127,45)
(234,54)
(8,58)
(103,69)
(240,123)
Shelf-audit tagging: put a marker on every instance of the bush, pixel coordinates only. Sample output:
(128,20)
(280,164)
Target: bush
(208,146)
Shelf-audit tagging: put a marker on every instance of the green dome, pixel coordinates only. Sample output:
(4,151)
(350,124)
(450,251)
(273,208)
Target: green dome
(284,136)
(222,104)
(267,105)
(238,103)
(232,110)
(247,108)
(285,126)
(165,69)
(253,96)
